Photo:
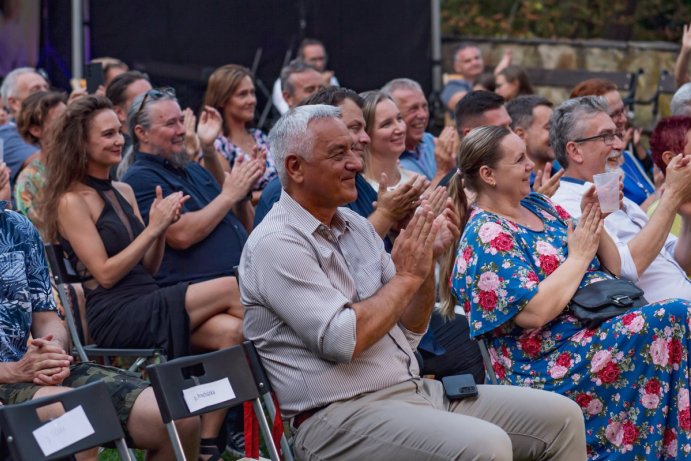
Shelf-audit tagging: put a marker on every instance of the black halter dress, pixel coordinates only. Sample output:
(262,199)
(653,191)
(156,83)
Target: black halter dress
(135,312)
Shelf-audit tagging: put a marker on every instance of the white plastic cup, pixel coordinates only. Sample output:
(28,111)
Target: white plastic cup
(607,187)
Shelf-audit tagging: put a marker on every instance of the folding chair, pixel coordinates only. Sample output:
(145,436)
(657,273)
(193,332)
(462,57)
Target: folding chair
(63,275)
(191,386)
(264,385)
(489,369)
(88,408)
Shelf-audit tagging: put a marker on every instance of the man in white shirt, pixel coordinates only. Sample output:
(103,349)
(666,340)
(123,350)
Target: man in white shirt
(583,136)
(312,52)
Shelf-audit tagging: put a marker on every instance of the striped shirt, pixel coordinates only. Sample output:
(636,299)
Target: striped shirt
(298,279)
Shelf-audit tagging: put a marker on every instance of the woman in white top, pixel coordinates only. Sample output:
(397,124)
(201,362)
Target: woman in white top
(386,129)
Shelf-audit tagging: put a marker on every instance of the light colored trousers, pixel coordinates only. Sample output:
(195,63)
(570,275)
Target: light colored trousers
(415,421)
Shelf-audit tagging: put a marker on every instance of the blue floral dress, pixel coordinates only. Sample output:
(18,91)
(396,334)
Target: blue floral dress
(630,376)
(231,151)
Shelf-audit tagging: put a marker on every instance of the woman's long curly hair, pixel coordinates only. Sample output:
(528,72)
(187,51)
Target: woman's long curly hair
(67,156)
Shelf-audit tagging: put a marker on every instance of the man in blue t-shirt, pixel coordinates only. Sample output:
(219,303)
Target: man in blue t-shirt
(207,240)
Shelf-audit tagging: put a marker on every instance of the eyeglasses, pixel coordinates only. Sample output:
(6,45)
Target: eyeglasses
(607,137)
(154,94)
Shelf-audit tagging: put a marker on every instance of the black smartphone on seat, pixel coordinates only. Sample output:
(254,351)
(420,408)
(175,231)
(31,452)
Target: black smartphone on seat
(459,387)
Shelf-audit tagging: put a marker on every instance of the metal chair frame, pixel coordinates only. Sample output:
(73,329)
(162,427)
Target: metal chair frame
(20,420)
(239,365)
(64,274)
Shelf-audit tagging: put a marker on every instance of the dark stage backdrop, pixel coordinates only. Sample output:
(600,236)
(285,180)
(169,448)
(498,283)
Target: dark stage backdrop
(179,42)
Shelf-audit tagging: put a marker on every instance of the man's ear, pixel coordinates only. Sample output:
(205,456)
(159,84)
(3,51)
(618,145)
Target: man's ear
(574,153)
(288,99)
(520,132)
(139,132)
(13,105)
(120,112)
(294,169)
(667,156)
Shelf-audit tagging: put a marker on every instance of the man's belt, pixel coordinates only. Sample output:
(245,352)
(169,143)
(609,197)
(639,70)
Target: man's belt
(304,416)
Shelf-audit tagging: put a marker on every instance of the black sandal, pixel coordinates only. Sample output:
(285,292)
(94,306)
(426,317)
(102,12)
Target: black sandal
(209,447)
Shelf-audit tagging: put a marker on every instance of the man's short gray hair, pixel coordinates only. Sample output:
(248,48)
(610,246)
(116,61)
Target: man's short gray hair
(401,84)
(296,66)
(291,134)
(567,120)
(9,85)
(681,101)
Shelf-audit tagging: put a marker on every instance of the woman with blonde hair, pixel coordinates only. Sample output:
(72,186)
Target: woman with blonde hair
(386,129)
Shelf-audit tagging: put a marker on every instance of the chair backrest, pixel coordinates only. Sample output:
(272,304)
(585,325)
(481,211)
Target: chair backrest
(190,386)
(87,409)
(63,276)
(62,269)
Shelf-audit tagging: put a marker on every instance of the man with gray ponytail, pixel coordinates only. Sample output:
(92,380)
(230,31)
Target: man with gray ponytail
(583,137)
(336,321)
(206,241)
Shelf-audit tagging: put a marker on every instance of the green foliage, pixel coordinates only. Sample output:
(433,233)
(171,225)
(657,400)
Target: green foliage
(615,19)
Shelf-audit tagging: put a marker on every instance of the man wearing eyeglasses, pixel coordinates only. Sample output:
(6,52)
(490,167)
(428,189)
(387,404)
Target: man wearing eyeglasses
(583,137)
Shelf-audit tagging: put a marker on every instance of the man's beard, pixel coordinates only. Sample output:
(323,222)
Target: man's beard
(179,159)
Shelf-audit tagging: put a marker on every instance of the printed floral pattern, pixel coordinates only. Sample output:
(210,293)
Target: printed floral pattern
(24,282)
(231,151)
(630,376)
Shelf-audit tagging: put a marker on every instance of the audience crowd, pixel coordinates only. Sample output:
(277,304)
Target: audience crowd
(366,258)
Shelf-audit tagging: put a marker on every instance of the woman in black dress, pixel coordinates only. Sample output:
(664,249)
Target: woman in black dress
(100,226)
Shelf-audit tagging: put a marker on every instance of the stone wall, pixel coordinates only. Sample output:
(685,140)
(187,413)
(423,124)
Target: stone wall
(593,55)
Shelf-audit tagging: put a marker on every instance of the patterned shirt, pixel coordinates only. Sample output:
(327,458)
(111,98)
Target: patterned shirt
(29,182)
(298,279)
(24,282)
(231,151)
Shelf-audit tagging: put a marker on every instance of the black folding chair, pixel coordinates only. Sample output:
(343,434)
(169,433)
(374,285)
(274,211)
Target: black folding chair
(21,420)
(63,275)
(229,369)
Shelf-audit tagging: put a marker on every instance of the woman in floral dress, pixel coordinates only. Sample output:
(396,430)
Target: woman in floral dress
(231,92)
(518,264)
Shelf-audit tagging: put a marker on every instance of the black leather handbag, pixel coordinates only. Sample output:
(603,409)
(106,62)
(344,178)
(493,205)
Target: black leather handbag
(600,301)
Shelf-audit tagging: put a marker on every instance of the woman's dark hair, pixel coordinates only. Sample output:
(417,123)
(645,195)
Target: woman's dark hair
(333,96)
(67,156)
(481,147)
(118,86)
(517,74)
(34,110)
(487,81)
